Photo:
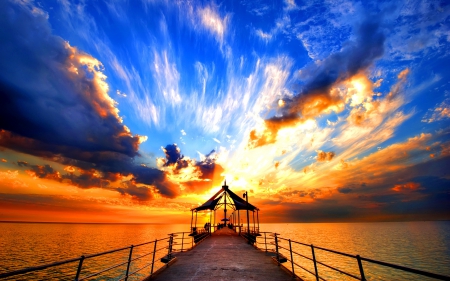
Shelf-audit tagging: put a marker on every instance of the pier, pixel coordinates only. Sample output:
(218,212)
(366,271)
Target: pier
(224,256)
(228,250)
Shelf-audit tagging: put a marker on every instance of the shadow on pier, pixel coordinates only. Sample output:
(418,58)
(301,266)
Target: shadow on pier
(223,256)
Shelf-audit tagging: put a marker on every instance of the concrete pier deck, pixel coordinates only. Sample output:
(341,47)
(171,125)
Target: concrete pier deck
(224,256)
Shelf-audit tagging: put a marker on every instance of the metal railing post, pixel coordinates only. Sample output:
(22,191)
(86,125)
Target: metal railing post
(79,268)
(361,270)
(182,242)
(129,262)
(169,254)
(265,241)
(153,259)
(292,258)
(276,248)
(314,260)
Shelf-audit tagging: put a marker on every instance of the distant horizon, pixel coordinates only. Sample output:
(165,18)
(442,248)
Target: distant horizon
(50,222)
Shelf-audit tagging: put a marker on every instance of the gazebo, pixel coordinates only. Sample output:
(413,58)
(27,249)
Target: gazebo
(229,201)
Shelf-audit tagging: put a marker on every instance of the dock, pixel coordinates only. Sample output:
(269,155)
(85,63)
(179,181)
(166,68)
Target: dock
(228,250)
(224,256)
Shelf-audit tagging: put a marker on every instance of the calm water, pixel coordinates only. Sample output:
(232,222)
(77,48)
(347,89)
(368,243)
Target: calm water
(421,245)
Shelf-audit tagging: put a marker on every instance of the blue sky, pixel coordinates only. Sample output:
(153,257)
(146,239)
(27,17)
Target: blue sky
(314,105)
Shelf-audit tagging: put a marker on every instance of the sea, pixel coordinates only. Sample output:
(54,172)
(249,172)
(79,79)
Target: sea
(420,245)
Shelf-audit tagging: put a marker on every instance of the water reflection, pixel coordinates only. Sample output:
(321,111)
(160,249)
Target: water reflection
(421,245)
(31,244)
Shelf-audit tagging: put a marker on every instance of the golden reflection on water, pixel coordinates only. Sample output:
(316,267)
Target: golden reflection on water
(421,245)
(30,244)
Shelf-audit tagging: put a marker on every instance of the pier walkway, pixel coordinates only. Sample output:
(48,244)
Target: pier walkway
(224,256)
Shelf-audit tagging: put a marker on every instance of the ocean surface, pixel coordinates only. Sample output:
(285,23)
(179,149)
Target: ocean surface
(420,245)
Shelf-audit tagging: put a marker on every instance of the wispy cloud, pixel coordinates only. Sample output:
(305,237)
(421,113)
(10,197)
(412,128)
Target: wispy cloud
(440,112)
(213,22)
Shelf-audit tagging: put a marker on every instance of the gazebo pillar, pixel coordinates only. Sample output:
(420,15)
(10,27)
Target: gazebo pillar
(239,223)
(192,218)
(254,221)
(196,213)
(257,217)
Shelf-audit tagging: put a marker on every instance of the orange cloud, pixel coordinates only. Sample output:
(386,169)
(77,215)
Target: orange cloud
(324,156)
(271,128)
(406,187)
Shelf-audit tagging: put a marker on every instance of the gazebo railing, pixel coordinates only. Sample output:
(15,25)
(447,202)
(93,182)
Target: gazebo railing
(284,251)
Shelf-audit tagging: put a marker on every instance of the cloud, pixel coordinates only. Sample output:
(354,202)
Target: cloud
(64,112)
(40,171)
(213,22)
(407,186)
(440,112)
(167,78)
(192,176)
(410,40)
(345,190)
(65,100)
(324,156)
(141,193)
(317,95)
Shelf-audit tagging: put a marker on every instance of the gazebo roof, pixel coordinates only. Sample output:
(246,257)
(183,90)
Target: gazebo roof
(236,201)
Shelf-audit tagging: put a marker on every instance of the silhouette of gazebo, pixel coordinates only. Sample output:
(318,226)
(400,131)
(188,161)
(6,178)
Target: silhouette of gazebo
(225,198)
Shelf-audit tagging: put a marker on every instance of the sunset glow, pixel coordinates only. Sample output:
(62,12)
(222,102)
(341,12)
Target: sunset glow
(138,111)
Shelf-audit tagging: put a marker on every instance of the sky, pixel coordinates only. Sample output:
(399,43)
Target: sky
(137,111)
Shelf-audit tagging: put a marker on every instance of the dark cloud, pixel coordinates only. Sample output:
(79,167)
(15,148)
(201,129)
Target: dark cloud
(86,179)
(22,163)
(315,96)
(432,184)
(55,105)
(173,154)
(208,171)
(52,92)
(157,178)
(345,190)
(41,171)
(140,193)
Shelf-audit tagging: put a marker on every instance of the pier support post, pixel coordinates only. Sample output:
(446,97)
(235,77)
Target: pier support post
(276,248)
(182,242)
(314,260)
(129,262)
(79,268)
(153,259)
(265,241)
(292,258)
(169,252)
(361,270)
